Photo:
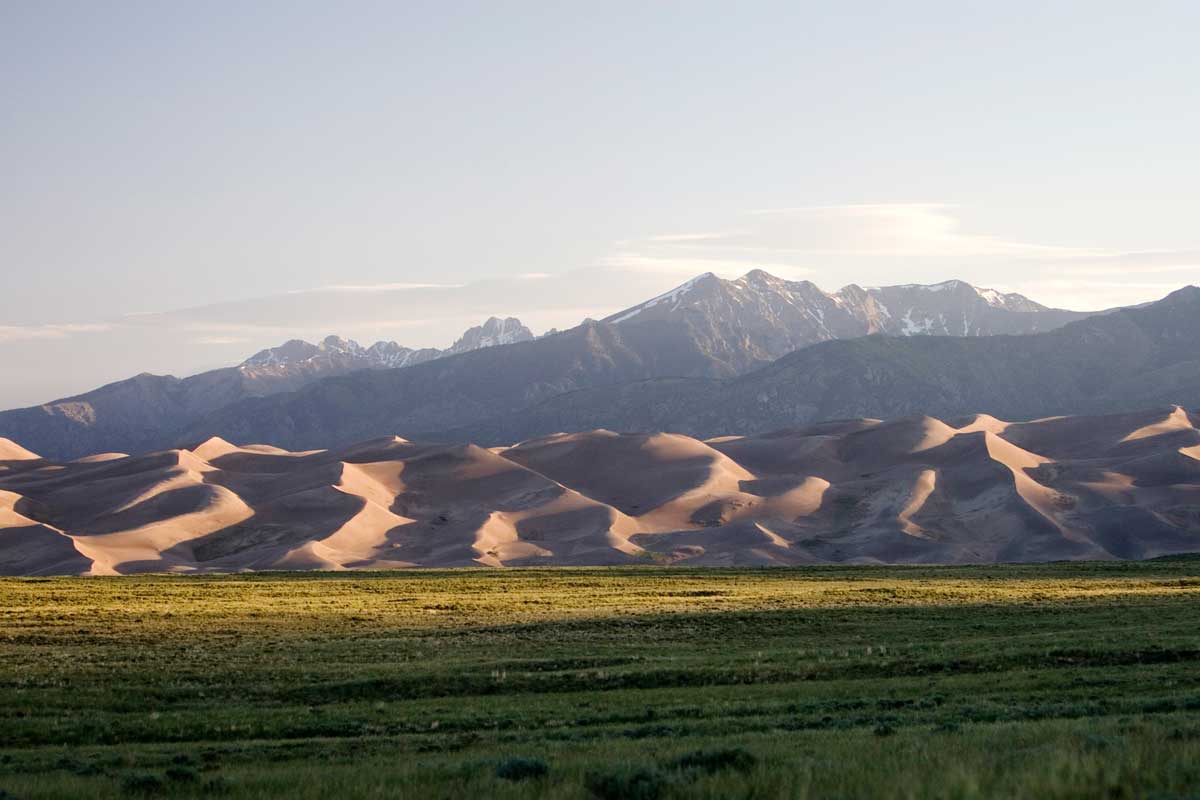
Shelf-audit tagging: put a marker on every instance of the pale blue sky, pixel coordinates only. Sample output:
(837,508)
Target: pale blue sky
(168,155)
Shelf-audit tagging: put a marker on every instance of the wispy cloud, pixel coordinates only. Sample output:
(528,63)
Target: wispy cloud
(672,238)
(865,229)
(901,242)
(217,340)
(375,287)
(688,266)
(217,327)
(21,333)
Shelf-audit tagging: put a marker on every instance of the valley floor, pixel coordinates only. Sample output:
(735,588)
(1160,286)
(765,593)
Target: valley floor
(1065,681)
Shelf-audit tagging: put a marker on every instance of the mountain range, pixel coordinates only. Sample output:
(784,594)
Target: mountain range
(148,411)
(661,375)
(336,392)
(908,490)
(298,362)
(758,317)
(1121,360)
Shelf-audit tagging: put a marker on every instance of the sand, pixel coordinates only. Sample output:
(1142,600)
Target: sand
(910,490)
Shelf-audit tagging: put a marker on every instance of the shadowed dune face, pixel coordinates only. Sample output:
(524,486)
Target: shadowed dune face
(909,490)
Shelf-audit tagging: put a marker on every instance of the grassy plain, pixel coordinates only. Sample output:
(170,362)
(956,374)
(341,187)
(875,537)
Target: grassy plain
(1060,681)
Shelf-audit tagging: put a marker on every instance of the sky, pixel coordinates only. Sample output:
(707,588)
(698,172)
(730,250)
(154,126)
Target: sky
(185,183)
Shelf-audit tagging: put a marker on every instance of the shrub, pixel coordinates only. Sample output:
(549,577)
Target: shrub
(716,760)
(217,784)
(520,769)
(1183,734)
(88,768)
(627,783)
(182,774)
(1096,742)
(143,783)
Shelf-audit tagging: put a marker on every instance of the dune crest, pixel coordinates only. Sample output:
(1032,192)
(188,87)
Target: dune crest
(1177,420)
(923,486)
(983,422)
(213,447)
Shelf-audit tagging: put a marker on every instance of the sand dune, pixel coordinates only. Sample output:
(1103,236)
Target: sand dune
(910,490)
(980,422)
(1177,420)
(922,488)
(214,447)
(11,451)
(1081,437)
(894,439)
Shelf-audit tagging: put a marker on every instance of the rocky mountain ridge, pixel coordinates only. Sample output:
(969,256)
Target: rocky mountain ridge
(148,411)
(334,353)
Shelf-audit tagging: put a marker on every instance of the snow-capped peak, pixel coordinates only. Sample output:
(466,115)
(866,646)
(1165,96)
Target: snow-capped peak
(336,344)
(494,331)
(672,296)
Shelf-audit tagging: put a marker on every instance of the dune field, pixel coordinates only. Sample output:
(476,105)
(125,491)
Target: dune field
(911,490)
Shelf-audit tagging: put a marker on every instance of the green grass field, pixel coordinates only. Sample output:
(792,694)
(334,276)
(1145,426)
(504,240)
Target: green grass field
(1062,681)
